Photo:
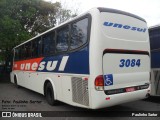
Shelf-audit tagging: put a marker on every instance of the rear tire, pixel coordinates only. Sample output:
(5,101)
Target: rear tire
(49,94)
(15,82)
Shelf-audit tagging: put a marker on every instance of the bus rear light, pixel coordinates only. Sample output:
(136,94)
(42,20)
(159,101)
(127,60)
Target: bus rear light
(99,83)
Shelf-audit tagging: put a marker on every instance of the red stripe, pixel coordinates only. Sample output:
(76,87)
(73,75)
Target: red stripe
(17,64)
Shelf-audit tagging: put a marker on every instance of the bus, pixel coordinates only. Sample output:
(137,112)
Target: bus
(98,59)
(154,34)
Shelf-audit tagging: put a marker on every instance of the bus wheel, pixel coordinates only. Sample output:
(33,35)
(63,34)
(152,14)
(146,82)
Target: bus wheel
(15,82)
(50,94)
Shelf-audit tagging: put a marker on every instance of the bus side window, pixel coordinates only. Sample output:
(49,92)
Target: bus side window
(79,33)
(52,44)
(28,47)
(48,44)
(62,39)
(17,54)
(22,49)
(34,48)
(39,46)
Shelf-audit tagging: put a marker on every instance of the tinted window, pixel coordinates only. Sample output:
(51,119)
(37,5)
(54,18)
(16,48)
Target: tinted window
(34,48)
(28,50)
(48,44)
(39,42)
(17,54)
(155,39)
(79,32)
(62,39)
(22,52)
(37,47)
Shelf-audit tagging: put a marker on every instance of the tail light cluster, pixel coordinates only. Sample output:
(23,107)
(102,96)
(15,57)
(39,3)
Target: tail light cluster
(99,83)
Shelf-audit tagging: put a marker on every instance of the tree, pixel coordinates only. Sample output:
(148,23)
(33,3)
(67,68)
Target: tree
(23,19)
(65,13)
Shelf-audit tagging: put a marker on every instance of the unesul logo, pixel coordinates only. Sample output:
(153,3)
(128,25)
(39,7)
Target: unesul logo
(127,27)
(40,64)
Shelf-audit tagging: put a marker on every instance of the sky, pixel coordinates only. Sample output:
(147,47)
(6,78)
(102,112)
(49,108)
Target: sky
(147,9)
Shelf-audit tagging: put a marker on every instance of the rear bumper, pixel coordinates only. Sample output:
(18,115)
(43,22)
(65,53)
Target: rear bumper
(99,98)
(124,90)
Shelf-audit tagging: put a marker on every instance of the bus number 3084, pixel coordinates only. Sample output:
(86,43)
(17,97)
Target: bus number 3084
(130,63)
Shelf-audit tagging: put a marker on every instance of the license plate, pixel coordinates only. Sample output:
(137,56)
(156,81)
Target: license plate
(130,89)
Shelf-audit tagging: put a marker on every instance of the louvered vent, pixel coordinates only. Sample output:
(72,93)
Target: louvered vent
(80,91)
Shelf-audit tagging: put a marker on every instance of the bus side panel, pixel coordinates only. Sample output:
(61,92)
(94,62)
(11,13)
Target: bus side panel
(155,59)
(35,81)
(64,68)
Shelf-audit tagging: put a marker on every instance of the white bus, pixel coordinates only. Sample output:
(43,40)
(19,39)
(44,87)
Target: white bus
(98,59)
(154,34)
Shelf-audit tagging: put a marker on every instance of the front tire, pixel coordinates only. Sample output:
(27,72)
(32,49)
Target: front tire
(49,94)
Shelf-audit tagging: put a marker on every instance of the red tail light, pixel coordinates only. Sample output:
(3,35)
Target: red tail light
(99,83)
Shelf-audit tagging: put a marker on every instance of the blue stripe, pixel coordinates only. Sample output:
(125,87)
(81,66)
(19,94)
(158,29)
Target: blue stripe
(78,62)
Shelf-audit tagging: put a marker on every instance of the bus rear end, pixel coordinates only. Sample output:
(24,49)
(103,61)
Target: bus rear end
(123,46)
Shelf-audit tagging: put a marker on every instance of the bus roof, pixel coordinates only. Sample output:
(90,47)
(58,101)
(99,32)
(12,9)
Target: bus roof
(101,9)
(154,27)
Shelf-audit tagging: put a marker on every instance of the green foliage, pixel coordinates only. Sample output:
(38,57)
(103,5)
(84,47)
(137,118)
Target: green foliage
(23,19)
(63,15)
(12,33)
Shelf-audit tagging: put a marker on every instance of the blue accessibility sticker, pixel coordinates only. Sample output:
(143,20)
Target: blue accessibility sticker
(108,79)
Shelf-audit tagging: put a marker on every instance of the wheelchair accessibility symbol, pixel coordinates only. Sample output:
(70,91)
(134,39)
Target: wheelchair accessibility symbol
(108,79)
